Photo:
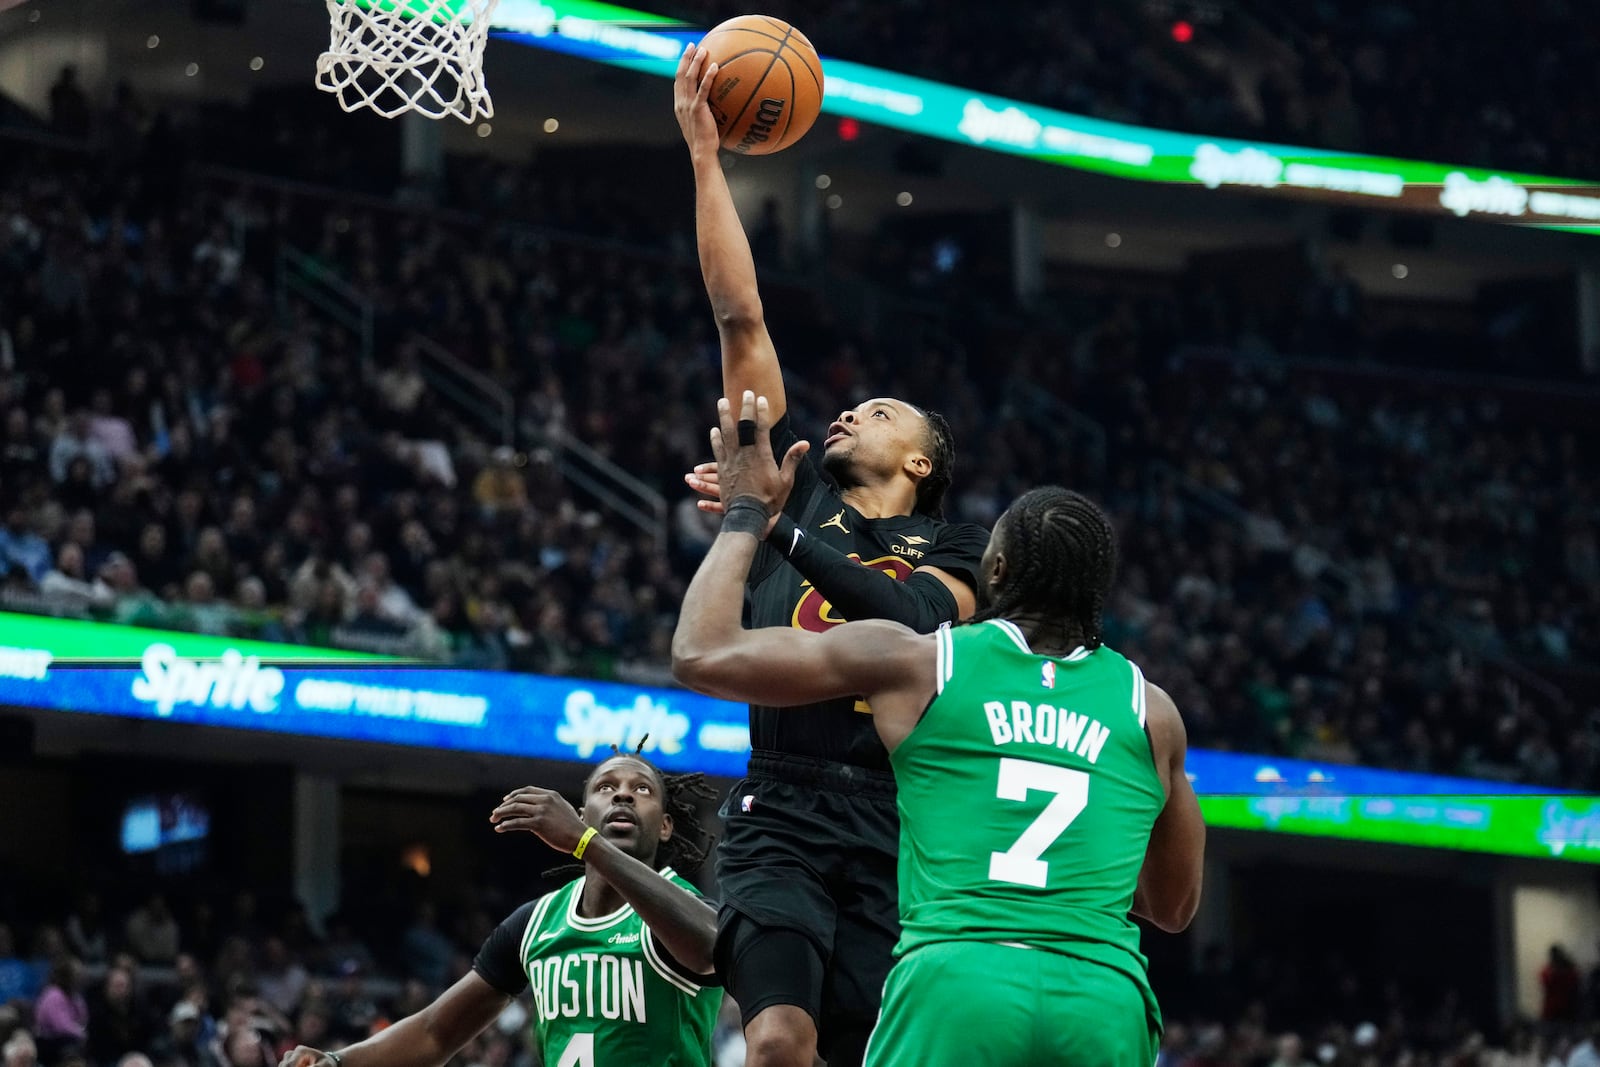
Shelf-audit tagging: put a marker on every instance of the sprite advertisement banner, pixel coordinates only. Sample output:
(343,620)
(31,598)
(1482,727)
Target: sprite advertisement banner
(652,44)
(105,669)
(41,640)
(1549,826)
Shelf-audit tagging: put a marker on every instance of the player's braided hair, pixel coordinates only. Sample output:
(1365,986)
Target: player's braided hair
(1061,554)
(690,842)
(940,445)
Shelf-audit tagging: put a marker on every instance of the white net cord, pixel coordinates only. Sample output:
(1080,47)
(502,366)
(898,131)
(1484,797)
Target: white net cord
(394,56)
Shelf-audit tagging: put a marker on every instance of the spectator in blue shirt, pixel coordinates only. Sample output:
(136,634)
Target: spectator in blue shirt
(23,549)
(19,980)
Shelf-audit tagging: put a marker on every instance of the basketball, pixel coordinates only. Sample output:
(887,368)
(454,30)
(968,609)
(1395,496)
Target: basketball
(768,89)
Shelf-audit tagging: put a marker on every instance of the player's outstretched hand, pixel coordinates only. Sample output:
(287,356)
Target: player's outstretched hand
(305,1056)
(743,448)
(540,811)
(703,480)
(696,72)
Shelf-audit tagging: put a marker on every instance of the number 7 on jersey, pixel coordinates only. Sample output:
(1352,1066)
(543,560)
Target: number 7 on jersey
(1020,864)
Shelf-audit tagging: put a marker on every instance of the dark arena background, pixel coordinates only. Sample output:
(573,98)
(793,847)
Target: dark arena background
(341,482)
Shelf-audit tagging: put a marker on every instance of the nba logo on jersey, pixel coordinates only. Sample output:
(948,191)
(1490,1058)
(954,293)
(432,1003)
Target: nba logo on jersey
(747,802)
(1048,675)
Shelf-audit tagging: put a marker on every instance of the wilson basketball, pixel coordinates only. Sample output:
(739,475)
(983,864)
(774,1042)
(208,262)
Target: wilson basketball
(768,89)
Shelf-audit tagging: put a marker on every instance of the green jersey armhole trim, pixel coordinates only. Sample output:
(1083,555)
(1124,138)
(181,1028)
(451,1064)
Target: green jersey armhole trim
(1140,703)
(1138,693)
(946,660)
(534,919)
(652,956)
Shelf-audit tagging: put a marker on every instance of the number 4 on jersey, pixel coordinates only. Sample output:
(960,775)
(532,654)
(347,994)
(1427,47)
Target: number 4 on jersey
(1020,864)
(579,1052)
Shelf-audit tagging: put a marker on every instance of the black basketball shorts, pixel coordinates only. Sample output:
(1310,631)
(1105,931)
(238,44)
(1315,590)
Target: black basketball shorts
(810,848)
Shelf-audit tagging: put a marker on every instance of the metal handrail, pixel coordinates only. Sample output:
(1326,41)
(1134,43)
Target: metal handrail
(1429,376)
(1225,506)
(473,391)
(1056,412)
(606,481)
(497,396)
(610,483)
(329,293)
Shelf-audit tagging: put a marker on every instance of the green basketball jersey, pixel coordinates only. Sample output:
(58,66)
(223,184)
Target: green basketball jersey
(1027,794)
(605,996)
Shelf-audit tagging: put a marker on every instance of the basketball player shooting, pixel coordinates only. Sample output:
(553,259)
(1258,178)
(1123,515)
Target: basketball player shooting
(806,864)
(1042,792)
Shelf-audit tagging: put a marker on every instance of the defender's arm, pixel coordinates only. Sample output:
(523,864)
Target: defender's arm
(713,653)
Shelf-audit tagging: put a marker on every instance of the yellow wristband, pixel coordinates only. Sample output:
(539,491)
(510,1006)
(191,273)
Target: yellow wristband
(583,842)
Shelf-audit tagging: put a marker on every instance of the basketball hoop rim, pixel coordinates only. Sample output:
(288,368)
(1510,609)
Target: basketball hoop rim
(374,44)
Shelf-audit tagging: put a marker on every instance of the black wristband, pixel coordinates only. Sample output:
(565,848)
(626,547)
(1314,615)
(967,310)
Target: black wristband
(748,515)
(782,536)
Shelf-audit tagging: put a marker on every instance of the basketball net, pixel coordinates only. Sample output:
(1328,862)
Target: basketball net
(394,56)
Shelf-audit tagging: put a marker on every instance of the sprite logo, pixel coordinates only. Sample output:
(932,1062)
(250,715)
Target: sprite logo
(168,680)
(1493,196)
(1215,166)
(1562,828)
(590,725)
(981,124)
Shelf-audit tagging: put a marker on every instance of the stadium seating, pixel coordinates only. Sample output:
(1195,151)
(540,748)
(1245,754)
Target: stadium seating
(158,976)
(1313,565)
(1416,80)
(1355,557)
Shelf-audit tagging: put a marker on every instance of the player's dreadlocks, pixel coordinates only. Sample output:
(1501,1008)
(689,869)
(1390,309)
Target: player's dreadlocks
(690,842)
(1061,554)
(941,448)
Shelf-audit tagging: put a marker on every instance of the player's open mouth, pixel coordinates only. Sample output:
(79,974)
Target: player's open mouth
(621,820)
(836,432)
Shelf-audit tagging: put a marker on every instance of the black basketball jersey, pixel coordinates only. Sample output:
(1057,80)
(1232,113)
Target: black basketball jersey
(777,595)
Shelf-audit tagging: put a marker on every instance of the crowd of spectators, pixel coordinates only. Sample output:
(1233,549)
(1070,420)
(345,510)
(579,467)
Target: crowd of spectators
(1393,547)
(1308,569)
(1310,566)
(228,981)
(175,454)
(1420,80)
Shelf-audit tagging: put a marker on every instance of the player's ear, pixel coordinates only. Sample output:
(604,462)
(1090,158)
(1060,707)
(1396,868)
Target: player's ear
(666,828)
(918,465)
(997,576)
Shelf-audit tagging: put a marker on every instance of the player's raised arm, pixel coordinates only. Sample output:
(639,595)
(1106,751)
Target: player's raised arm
(748,359)
(1169,882)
